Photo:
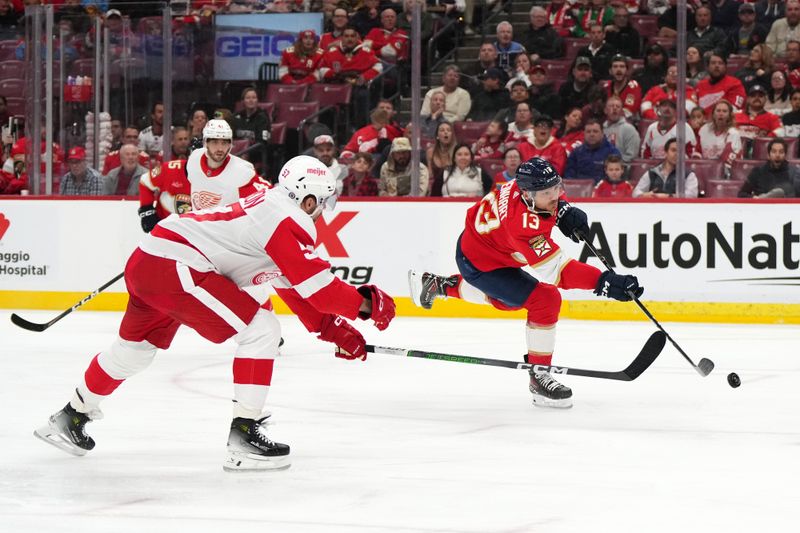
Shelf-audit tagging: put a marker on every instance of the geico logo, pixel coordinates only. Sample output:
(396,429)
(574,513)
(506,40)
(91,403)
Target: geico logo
(357,275)
(253,45)
(315,171)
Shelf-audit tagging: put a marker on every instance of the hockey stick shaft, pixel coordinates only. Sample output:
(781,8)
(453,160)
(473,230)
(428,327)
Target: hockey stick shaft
(33,326)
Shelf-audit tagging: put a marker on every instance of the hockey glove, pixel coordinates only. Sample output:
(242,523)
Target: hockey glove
(148,217)
(382,306)
(349,342)
(572,221)
(618,286)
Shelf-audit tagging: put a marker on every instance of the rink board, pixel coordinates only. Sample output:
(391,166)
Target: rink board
(699,261)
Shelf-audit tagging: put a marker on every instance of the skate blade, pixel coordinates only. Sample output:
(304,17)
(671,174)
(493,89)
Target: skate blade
(54,438)
(541,401)
(415,287)
(251,462)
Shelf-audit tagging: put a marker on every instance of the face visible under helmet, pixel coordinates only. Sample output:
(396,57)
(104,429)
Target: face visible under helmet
(534,175)
(304,176)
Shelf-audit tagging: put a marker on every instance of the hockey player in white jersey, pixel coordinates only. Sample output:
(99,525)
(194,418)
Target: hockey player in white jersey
(191,270)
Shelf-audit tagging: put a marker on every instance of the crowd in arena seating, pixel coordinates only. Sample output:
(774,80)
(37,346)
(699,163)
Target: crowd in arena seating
(590,85)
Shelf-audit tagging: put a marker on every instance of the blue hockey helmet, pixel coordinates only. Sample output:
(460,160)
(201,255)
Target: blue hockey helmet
(536,174)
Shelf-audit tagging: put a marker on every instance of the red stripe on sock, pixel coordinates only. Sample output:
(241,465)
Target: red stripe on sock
(98,381)
(539,359)
(252,371)
(452,292)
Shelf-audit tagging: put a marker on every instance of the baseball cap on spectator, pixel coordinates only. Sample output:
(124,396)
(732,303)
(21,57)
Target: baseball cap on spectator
(619,57)
(757,89)
(113,13)
(76,153)
(747,7)
(308,33)
(583,61)
(544,119)
(538,66)
(400,144)
(323,139)
(493,72)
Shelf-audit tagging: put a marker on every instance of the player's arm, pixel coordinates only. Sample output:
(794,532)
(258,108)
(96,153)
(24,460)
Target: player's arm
(149,186)
(256,184)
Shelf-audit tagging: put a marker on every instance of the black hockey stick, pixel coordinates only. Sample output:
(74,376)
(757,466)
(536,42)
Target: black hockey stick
(33,326)
(703,367)
(651,349)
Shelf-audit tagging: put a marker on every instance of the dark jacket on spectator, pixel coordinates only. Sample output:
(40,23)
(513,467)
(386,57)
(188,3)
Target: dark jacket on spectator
(627,41)
(601,61)
(485,105)
(255,128)
(713,39)
(363,23)
(587,162)
(757,36)
(765,178)
(570,97)
(545,42)
(725,16)
(766,14)
(545,100)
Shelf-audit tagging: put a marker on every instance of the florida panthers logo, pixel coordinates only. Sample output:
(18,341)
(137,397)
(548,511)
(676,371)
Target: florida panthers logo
(265,277)
(205,199)
(540,246)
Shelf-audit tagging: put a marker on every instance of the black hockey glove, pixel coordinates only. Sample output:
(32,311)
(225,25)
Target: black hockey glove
(618,286)
(148,218)
(572,221)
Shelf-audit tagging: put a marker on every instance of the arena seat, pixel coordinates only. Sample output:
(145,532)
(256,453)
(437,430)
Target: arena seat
(492,166)
(292,113)
(638,168)
(557,69)
(706,169)
(8,49)
(469,132)
(760,147)
(572,45)
(741,168)
(578,188)
(11,68)
(12,87)
(282,94)
(278,133)
(646,25)
(723,188)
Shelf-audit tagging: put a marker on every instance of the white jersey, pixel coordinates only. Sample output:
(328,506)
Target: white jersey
(235,179)
(655,140)
(726,146)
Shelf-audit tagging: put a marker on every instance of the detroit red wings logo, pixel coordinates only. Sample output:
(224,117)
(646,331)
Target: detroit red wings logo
(265,277)
(205,199)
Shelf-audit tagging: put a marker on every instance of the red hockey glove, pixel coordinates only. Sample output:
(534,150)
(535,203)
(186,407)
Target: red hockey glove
(349,342)
(382,306)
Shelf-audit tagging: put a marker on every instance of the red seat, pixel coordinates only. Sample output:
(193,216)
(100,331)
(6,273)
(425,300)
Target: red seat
(239,145)
(572,45)
(278,133)
(646,25)
(638,168)
(760,145)
(741,168)
(736,62)
(576,188)
(11,68)
(469,132)
(330,93)
(706,169)
(643,125)
(8,49)
(12,87)
(15,105)
(723,188)
(635,64)
(292,113)
(280,94)
(492,166)
(557,69)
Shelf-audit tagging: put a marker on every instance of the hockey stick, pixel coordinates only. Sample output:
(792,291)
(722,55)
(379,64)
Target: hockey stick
(33,326)
(703,367)
(651,349)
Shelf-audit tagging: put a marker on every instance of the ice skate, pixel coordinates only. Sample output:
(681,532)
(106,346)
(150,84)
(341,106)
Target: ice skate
(547,392)
(425,287)
(249,448)
(66,430)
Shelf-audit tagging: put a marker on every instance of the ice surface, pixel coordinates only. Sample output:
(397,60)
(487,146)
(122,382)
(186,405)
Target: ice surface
(405,445)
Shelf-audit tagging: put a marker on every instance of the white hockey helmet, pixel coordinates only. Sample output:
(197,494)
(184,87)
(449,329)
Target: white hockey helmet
(304,176)
(217,129)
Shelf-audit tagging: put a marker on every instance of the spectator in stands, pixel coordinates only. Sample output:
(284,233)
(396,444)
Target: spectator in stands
(785,29)
(521,129)
(366,17)
(724,13)
(594,11)
(338,23)
(667,91)
(325,151)
(695,66)
(623,86)
(768,11)
(507,48)
(575,92)
(465,179)
(80,180)
(196,125)
(596,106)
(492,99)
(792,63)
(754,121)
(458,101)
(612,185)
(519,95)
(544,145)
(696,119)
(359,181)
(396,172)
(427,21)
(619,131)
(542,41)
(4,114)
(705,36)
(599,52)
(130,135)
(150,137)
(179,145)
(430,123)
(560,16)
(660,182)
(487,58)
(300,62)
(774,179)
(665,128)
(9,20)
(719,85)
(570,133)
(491,145)
(657,7)
(719,138)
(372,138)
(253,123)
(586,161)
(440,155)
(758,67)
(778,93)
(388,42)
(655,67)
(124,180)
(622,36)
(116,131)
(543,96)
(394,128)
(13,178)
(791,120)
(522,71)
(748,33)
(511,160)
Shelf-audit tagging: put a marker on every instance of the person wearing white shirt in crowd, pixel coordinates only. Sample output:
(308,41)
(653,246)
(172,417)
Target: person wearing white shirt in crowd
(457,100)
(785,29)
(659,133)
(719,138)
(464,179)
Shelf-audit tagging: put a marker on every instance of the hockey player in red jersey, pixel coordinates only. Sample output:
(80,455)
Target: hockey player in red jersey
(300,63)
(511,229)
(191,270)
(163,191)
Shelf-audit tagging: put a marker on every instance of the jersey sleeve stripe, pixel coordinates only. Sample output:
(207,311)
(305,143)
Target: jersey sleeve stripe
(314,284)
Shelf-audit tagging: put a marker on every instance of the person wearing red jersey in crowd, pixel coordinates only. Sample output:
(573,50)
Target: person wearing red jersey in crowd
(507,231)
(544,145)
(392,127)
(339,22)
(793,63)
(559,14)
(511,161)
(300,63)
(612,185)
(665,128)
(667,91)
(130,135)
(624,87)
(372,138)
(521,130)
(570,132)
(13,177)
(719,85)
(491,144)
(754,121)
(191,270)
(389,43)
(349,62)
(719,138)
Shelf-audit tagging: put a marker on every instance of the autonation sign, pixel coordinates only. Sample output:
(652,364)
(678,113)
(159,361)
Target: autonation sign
(243,42)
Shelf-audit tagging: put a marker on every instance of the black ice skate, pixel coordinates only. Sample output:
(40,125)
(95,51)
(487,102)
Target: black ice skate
(250,449)
(547,392)
(66,430)
(425,287)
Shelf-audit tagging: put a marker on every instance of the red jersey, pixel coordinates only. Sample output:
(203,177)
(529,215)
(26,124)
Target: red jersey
(571,140)
(728,88)
(389,45)
(169,184)
(340,65)
(488,149)
(329,40)
(552,152)
(764,124)
(366,140)
(793,75)
(631,96)
(560,18)
(112,161)
(298,68)
(661,92)
(606,189)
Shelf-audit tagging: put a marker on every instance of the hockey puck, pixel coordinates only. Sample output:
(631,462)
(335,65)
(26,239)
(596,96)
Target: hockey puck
(733,380)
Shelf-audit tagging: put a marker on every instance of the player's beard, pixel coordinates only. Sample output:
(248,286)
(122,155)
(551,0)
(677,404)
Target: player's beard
(214,156)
